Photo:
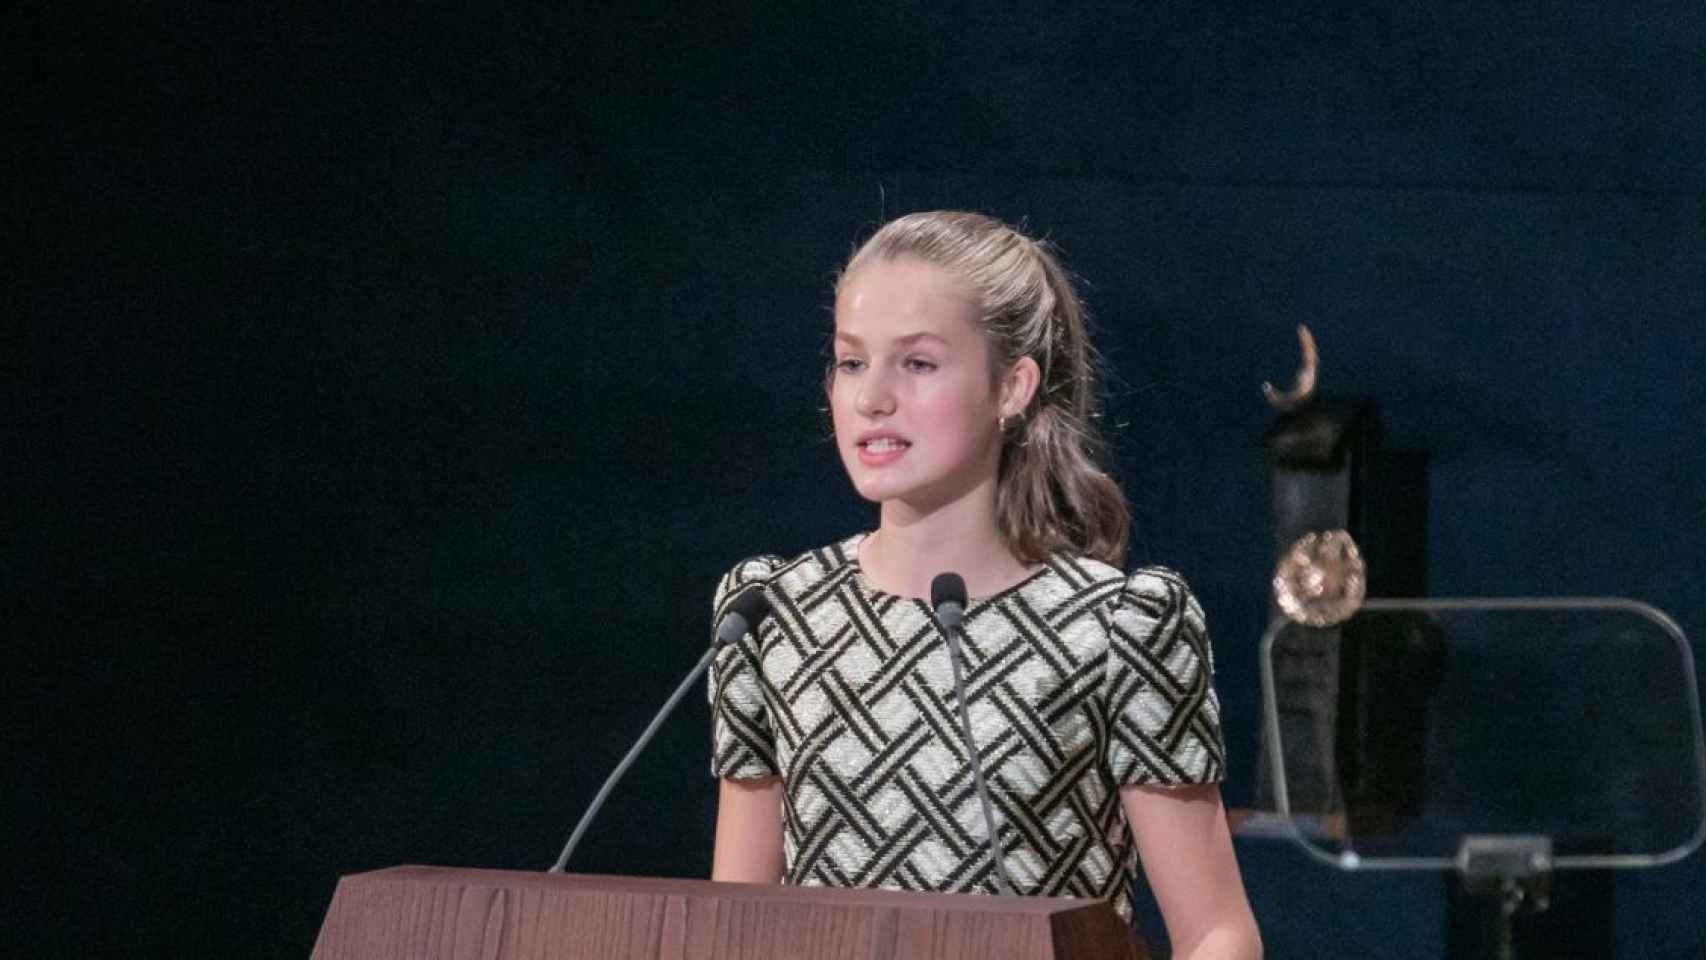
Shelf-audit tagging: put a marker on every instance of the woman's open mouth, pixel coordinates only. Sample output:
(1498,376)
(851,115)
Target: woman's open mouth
(876,451)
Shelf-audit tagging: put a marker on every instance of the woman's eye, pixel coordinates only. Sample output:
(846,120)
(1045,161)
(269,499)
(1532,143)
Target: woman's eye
(920,365)
(849,365)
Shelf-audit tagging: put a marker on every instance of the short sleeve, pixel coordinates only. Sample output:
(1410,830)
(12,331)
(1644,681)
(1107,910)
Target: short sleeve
(1163,714)
(743,743)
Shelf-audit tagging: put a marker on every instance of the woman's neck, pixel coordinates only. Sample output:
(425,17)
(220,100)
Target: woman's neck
(911,547)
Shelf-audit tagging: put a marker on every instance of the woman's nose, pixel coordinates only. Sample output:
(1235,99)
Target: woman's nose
(876,394)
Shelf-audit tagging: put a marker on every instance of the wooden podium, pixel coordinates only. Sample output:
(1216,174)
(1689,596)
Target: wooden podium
(441,912)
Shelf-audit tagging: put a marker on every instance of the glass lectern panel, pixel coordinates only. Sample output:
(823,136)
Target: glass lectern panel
(1416,724)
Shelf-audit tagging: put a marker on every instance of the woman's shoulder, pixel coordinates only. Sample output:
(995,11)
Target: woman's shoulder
(1155,604)
(1161,594)
(791,575)
(1155,582)
(1152,588)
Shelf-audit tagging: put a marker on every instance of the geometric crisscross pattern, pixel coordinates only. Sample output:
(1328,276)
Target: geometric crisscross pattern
(1079,680)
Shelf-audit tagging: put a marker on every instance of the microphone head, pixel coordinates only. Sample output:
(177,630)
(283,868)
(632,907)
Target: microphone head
(948,598)
(749,608)
(752,605)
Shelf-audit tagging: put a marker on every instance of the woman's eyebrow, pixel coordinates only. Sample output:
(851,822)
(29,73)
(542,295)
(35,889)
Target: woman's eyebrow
(905,341)
(913,338)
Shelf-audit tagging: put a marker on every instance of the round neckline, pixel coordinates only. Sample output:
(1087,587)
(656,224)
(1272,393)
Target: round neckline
(851,547)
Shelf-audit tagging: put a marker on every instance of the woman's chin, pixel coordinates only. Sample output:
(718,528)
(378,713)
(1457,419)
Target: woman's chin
(875,492)
(913,495)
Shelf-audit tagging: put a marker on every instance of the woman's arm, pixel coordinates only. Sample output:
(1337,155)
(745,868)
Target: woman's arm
(1186,849)
(749,831)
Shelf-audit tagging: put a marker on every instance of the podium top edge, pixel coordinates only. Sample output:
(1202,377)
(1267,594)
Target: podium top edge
(890,899)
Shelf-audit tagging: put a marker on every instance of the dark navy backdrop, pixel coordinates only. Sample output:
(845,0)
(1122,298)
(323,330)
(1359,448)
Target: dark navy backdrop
(394,384)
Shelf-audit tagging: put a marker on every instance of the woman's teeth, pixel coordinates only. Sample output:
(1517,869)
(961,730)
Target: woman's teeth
(885,445)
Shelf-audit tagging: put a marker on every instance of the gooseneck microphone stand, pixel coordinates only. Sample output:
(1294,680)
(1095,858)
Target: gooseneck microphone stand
(948,599)
(745,614)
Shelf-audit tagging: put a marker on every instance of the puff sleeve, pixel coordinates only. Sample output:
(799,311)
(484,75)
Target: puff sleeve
(743,743)
(1163,714)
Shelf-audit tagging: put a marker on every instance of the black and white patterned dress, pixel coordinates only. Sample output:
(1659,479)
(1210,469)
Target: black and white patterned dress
(1079,680)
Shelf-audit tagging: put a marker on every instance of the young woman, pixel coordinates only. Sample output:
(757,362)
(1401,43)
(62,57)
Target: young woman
(961,396)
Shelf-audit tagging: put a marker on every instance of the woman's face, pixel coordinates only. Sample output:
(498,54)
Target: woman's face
(912,396)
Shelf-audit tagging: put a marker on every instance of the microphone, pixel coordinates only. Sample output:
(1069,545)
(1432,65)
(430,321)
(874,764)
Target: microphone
(749,609)
(948,600)
(745,614)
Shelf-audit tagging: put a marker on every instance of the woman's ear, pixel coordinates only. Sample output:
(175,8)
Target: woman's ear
(1018,386)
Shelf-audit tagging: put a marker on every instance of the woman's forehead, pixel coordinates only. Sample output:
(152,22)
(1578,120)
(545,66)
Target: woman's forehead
(904,299)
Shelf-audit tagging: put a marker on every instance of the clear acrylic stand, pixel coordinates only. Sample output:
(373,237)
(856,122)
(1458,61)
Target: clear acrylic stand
(1500,739)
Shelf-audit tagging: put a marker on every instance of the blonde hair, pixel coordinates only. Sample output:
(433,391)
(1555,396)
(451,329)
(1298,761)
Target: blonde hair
(1052,493)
